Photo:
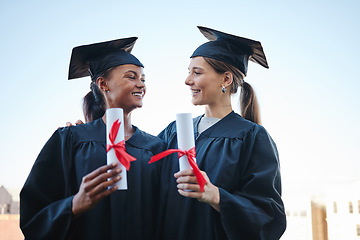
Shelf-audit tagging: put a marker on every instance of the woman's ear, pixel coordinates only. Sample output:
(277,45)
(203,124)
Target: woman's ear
(102,84)
(228,78)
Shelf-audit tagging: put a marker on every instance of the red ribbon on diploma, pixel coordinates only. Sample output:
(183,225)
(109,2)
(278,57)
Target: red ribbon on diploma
(119,148)
(190,154)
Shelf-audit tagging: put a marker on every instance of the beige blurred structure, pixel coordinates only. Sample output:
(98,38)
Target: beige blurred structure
(333,216)
(9,227)
(306,219)
(7,204)
(343,211)
(9,216)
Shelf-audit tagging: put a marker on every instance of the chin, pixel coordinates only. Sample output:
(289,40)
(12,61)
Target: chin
(137,106)
(196,103)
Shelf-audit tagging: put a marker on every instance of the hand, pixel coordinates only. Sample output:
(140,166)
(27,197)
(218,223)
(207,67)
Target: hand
(94,187)
(188,187)
(78,122)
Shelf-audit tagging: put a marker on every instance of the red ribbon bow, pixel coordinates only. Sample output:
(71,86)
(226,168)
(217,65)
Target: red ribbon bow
(119,148)
(190,154)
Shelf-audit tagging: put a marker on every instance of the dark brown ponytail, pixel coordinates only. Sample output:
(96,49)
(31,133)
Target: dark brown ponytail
(248,102)
(249,105)
(94,105)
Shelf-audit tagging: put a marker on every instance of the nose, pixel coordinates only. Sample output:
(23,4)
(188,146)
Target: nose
(189,81)
(140,84)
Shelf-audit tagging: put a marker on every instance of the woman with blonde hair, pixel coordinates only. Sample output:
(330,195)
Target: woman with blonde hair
(238,158)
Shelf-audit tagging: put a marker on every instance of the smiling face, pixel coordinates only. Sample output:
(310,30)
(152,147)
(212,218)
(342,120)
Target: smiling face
(205,83)
(125,87)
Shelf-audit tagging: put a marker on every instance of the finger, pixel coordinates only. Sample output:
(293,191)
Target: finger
(103,187)
(68,124)
(189,187)
(197,195)
(205,176)
(103,178)
(105,193)
(79,122)
(187,179)
(184,173)
(100,171)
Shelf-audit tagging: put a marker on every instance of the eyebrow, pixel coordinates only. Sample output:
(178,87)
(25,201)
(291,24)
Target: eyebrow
(134,72)
(131,71)
(194,68)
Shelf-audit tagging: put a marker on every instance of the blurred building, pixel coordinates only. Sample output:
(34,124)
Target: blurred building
(333,216)
(9,215)
(7,204)
(343,211)
(306,218)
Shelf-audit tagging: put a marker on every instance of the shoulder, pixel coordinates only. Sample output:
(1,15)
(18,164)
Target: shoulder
(250,128)
(92,131)
(171,128)
(235,126)
(251,132)
(146,141)
(235,119)
(168,132)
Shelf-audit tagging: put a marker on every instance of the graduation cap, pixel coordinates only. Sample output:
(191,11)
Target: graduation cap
(92,59)
(231,49)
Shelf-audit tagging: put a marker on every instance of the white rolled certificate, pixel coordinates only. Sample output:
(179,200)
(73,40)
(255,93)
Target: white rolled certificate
(116,115)
(185,137)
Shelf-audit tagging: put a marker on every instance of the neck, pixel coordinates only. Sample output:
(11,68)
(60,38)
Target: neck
(128,129)
(218,110)
(127,124)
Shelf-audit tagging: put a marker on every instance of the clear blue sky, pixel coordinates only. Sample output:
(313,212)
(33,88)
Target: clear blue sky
(309,97)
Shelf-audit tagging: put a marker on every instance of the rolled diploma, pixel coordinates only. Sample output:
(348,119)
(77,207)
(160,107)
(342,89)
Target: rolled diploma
(185,137)
(113,114)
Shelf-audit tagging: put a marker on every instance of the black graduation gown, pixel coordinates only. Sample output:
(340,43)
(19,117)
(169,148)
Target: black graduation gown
(70,154)
(241,159)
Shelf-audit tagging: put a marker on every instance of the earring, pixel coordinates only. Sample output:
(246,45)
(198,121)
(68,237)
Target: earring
(223,89)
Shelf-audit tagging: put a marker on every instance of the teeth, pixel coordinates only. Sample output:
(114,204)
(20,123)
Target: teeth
(195,91)
(137,94)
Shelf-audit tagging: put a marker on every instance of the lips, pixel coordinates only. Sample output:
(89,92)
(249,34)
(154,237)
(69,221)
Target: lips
(195,92)
(138,94)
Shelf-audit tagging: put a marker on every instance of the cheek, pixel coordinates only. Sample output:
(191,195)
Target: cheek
(210,89)
(201,82)
(118,94)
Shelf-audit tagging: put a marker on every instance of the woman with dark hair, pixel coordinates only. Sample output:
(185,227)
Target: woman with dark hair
(238,158)
(70,191)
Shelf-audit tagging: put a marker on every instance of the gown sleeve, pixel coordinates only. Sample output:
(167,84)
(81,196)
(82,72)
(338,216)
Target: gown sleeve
(255,208)
(46,199)
(165,134)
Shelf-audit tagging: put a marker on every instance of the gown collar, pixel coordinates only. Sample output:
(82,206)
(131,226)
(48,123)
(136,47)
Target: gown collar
(213,127)
(130,140)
